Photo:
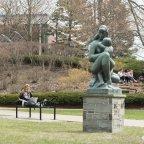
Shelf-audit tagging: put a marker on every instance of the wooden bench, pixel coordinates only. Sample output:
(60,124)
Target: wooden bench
(37,107)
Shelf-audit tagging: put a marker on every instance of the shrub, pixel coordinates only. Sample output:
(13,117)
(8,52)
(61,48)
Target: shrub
(60,98)
(63,98)
(136,99)
(56,61)
(76,79)
(8,99)
(69,98)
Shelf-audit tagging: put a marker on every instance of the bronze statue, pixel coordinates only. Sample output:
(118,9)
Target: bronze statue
(100,52)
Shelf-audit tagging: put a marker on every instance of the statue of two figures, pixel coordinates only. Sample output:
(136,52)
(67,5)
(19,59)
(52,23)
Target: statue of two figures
(100,54)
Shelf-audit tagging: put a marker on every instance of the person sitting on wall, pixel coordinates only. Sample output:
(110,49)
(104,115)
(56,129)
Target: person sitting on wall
(141,78)
(131,76)
(121,74)
(127,76)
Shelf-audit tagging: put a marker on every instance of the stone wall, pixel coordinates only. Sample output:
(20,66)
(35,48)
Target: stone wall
(103,113)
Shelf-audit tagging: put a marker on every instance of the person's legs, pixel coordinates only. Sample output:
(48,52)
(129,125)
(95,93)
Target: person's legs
(133,79)
(122,78)
(96,70)
(106,68)
(96,67)
(101,68)
(126,79)
(31,102)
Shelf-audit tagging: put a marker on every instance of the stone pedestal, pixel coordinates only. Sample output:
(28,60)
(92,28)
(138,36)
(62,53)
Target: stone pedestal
(103,110)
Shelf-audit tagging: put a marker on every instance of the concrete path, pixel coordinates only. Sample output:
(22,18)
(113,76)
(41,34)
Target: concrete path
(9,113)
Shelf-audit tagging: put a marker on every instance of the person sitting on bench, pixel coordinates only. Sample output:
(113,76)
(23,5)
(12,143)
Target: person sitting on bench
(26,97)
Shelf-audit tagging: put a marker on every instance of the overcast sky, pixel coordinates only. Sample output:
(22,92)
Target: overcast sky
(140,2)
(52,4)
(48,5)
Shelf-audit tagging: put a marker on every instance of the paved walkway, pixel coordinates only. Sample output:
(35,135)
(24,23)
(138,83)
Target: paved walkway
(9,113)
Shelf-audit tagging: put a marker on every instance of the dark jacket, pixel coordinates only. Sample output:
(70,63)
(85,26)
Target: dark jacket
(23,95)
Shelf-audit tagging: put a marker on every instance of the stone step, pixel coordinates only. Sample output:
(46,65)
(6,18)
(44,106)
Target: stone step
(131,87)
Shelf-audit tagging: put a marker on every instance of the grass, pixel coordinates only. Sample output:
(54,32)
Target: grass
(137,114)
(22,132)
(76,112)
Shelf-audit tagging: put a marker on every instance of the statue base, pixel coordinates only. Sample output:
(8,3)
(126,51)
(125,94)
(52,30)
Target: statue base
(103,110)
(105,90)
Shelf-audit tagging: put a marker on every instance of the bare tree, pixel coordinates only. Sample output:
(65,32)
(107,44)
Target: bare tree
(115,14)
(11,14)
(137,11)
(100,2)
(35,13)
(73,17)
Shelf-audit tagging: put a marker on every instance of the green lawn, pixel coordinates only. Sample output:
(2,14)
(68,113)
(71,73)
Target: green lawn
(129,113)
(137,114)
(26,132)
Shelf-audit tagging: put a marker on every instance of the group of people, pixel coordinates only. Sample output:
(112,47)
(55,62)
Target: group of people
(126,76)
(27,98)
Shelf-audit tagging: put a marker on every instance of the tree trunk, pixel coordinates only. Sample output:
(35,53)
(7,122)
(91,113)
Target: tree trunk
(40,39)
(136,22)
(70,28)
(100,2)
(56,31)
(29,20)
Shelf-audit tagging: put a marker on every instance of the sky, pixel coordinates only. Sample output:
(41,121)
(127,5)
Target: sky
(48,5)
(140,1)
(53,2)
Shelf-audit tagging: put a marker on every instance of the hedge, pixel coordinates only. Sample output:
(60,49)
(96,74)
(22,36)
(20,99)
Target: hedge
(8,99)
(69,98)
(135,99)
(56,61)
(60,98)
